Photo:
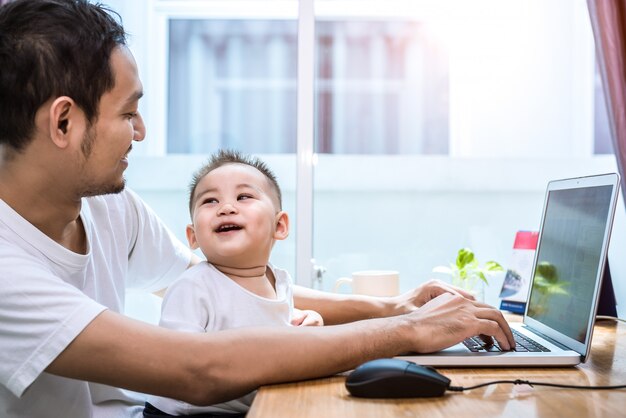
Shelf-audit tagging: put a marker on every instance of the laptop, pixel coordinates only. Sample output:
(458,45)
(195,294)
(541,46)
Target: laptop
(565,285)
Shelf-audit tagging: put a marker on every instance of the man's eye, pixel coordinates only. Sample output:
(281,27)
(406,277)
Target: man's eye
(131,115)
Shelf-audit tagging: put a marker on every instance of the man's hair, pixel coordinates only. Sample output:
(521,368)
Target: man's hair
(52,48)
(224,157)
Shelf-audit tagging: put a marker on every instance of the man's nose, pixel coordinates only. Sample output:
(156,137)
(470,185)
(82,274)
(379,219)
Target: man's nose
(140,128)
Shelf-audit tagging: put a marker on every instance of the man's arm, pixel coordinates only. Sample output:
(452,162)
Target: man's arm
(341,308)
(214,367)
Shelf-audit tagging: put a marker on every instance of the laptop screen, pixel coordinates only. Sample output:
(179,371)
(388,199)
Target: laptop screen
(568,259)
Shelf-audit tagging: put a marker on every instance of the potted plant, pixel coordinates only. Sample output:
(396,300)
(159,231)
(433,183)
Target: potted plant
(467,273)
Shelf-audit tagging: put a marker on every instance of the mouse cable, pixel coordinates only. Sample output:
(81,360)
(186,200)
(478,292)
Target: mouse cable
(531,384)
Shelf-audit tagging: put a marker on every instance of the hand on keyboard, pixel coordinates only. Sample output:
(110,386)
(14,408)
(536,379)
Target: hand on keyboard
(485,343)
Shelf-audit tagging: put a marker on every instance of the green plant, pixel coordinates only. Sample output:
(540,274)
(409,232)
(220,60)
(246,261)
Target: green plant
(467,271)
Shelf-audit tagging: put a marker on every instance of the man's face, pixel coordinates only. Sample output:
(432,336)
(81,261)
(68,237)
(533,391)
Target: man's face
(106,144)
(235,217)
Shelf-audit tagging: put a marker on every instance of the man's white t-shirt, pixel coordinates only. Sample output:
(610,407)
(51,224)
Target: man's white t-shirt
(49,294)
(203,299)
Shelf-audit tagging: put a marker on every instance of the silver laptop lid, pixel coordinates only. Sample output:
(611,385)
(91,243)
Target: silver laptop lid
(569,261)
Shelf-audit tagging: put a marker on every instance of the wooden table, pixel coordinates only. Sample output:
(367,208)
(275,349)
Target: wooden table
(328,397)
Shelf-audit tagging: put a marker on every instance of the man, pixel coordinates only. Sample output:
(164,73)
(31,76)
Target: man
(72,238)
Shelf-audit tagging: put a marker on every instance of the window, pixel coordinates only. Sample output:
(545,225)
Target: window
(434,120)
(382,87)
(232,84)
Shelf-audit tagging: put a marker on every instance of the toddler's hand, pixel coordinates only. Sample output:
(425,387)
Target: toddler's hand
(306,318)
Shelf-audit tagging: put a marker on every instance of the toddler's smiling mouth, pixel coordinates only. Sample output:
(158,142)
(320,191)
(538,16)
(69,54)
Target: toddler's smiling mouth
(228,228)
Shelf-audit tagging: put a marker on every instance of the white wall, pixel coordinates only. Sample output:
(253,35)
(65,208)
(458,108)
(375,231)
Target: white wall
(520,79)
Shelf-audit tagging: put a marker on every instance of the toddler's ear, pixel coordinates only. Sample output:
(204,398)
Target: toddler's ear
(191,237)
(282,226)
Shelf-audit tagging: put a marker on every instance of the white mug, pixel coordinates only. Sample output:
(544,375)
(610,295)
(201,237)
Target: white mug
(372,282)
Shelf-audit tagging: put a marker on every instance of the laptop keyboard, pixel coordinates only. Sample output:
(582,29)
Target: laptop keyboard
(522,344)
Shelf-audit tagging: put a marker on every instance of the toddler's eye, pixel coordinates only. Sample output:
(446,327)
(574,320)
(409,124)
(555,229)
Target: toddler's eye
(209,200)
(244,197)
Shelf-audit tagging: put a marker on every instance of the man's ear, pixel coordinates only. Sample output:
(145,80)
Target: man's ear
(63,113)
(282,226)
(191,237)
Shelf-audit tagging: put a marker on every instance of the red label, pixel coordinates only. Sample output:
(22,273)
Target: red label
(526,240)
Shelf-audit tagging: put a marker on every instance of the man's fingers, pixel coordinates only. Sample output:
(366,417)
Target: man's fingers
(492,328)
(496,322)
(462,318)
(446,288)
(463,293)
(487,339)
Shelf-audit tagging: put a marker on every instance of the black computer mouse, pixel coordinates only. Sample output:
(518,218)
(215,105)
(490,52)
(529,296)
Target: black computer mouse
(395,378)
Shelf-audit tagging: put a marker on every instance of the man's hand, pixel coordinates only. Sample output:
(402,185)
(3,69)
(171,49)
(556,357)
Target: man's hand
(451,317)
(414,299)
(306,318)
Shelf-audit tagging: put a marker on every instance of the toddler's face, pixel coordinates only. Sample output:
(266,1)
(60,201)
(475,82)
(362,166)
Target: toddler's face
(235,218)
